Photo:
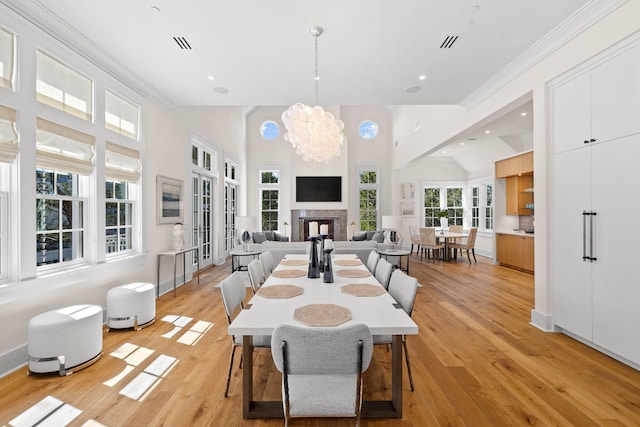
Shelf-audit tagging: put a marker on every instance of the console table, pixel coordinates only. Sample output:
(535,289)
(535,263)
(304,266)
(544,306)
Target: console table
(175,255)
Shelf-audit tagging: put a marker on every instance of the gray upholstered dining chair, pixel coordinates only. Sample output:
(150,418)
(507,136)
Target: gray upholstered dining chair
(383,272)
(322,369)
(469,245)
(266,259)
(403,289)
(233,293)
(372,261)
(429,242)
(256,274)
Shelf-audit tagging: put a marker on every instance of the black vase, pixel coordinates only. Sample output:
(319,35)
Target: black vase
(314,269)
(327,275)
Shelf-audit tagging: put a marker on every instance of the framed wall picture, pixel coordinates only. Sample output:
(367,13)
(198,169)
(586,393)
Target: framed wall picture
(408,208)
(169,200)
(408,191)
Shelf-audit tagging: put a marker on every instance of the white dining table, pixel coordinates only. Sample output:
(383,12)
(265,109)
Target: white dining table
(381,314)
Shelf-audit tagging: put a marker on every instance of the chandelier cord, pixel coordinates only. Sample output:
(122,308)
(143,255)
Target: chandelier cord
(317,77)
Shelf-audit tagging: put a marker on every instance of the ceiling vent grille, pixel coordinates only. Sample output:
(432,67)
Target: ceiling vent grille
(448,42)
(182,42)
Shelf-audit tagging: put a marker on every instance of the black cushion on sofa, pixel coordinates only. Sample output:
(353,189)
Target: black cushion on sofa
(378,236)
(259,237)
(269,235)
(359,237)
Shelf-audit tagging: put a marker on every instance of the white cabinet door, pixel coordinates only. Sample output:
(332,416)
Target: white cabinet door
(571,114)
(616,96)
(616,282)
(571,275)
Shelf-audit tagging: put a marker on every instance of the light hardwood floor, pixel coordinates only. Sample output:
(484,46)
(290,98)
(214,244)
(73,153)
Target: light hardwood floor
(476,362)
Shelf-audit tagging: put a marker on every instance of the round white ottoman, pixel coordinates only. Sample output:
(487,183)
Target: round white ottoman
(65,340)
(131,306)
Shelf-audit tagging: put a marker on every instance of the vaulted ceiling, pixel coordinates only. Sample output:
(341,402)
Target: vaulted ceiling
(256,52)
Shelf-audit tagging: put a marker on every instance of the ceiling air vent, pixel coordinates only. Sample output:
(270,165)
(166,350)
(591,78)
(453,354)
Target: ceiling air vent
(448,42)
(182,42)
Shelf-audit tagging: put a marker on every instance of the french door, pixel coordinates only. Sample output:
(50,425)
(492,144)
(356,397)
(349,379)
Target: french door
(202,188)
(231,206)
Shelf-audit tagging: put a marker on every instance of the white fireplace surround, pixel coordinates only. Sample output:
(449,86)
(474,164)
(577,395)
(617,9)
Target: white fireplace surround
(336,218)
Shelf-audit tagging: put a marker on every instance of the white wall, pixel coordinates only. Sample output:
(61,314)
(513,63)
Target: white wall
(165,151)
(356,153)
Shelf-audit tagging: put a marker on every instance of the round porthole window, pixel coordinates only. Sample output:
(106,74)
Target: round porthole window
(368,129)
(269,130)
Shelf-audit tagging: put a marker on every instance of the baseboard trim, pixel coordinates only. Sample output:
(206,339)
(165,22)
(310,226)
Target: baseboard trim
(13,360)
(543,321)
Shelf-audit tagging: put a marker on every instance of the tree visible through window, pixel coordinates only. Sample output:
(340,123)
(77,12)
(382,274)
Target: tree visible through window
(118,216)
(454,205)
(431,206)
(269,199)
(59,217)
(489,208)
(368,199)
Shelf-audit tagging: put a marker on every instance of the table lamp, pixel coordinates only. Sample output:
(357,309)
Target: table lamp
(244,224)
(393,224)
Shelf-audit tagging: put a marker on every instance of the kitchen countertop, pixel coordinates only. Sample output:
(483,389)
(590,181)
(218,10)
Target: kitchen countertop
(515,233)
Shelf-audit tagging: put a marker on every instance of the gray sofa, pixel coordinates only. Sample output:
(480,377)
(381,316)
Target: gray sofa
(361,249)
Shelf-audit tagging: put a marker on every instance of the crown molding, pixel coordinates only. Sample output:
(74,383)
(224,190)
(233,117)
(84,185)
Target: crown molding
(582,19)
(45,21)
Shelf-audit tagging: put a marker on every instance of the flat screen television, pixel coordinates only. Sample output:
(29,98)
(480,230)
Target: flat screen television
(318,189)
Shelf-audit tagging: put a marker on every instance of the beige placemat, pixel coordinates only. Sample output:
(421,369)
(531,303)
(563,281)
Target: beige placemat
(353,274)
(289,274)
(362,290)
(280,291)
(294,262)
(348,262)
(322,315)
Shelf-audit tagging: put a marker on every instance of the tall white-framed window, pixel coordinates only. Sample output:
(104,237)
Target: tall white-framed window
(454,205)
(7,59)
(64,159)
(121,116)
(488,209)
(368,191)
(448,197)
(269,189)
(62,87)
(431,206)
(481,204)
(231,193)
(475,205)
(122,173)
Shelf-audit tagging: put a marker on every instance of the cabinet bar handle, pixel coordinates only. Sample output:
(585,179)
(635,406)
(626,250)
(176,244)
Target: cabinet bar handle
(584,235)
(591,257)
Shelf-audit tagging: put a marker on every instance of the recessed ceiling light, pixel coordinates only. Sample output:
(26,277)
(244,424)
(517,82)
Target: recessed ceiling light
(462,144)
(422,77)
(444,152)
(523,114)
(210,77)
(487,131)
(413,89)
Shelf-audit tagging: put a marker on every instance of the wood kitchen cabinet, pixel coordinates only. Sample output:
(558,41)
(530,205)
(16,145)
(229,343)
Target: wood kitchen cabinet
(515,251)
(516,165)
(519,195)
